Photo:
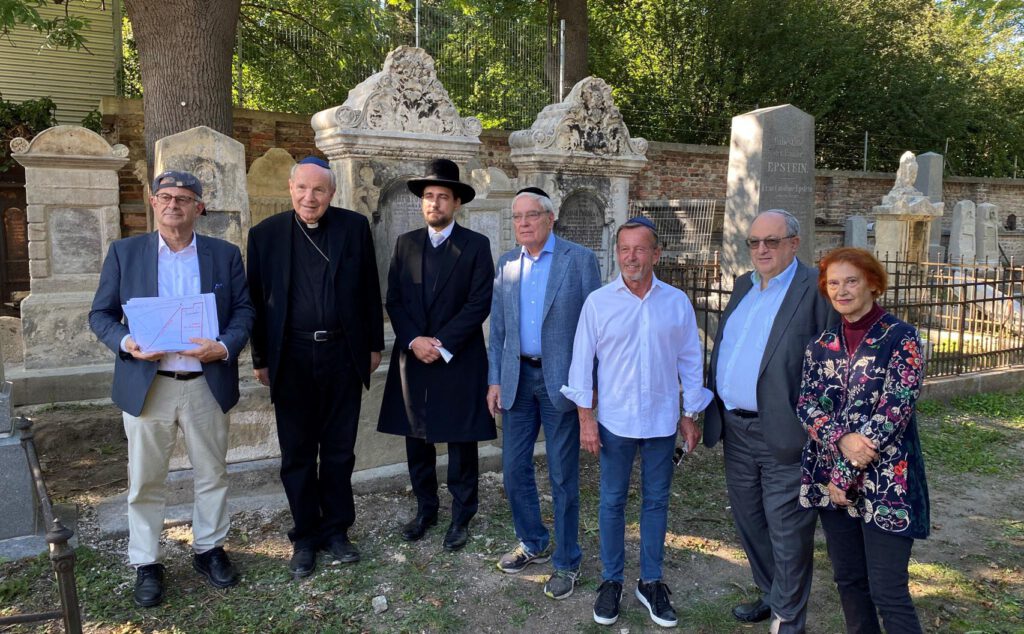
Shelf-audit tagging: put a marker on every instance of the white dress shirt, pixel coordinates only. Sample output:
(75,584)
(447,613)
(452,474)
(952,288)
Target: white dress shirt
(645,348)
(177,276)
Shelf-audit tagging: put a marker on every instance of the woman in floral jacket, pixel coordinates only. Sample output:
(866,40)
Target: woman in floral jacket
(862,465)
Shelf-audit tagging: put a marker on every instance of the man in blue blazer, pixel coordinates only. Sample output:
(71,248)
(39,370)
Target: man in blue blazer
(160,392)
(539,290)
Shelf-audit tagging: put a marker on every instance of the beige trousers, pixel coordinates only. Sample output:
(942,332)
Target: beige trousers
(170,405)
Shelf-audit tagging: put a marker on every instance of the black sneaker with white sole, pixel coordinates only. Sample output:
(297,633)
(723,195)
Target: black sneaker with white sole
(606,608)
(654,596)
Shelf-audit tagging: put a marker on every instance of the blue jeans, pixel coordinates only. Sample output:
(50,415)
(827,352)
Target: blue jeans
(520,427)
(656,468)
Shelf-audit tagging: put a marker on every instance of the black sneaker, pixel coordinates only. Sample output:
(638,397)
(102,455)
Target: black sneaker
(654,596)
(606,608)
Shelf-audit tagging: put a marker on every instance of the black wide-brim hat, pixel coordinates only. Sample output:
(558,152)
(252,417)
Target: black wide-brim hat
(446,174)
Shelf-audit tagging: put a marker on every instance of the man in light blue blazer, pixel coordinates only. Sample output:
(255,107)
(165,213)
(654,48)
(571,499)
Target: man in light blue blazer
(161,392)
(539,290)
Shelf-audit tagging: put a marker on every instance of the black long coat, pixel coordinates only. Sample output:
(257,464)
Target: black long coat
(449,400)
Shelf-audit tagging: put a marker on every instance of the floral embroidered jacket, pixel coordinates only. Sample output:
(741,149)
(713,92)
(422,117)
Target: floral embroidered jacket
(872,392)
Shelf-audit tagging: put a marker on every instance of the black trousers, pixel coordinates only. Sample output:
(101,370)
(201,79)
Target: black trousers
(316,399)
(463,477)
(870,571)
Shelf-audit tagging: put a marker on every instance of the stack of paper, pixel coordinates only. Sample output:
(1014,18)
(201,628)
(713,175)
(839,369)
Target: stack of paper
(165,324)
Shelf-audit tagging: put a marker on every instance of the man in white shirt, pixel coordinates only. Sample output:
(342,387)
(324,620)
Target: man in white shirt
(643,335)
(161,392)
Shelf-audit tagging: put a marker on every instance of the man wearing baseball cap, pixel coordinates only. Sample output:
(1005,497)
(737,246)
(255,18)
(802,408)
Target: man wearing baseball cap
(161,392)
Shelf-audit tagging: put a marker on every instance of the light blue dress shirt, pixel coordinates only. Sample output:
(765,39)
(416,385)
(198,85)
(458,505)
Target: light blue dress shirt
(533,281)
(745,337)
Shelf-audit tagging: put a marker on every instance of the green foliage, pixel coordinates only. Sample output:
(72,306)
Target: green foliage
(93,120)
(61,31)
(25,119)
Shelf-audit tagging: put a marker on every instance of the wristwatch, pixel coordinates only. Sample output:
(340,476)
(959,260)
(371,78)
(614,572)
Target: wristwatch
(692,415)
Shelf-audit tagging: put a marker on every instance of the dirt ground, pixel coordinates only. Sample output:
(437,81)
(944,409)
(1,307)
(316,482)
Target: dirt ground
(970,566)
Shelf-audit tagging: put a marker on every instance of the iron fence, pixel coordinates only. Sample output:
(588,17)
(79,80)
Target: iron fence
(969,315)
(684,225)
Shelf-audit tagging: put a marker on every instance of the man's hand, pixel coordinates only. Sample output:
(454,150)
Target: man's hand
(837,495)
(858,449)
(425,349)
(134,350)
(590,439)
(494,399)
(690,433)
(208,350)
(262,375)
(374,361)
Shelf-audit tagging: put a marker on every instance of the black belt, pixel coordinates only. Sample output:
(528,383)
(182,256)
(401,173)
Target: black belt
(180,376)
(533,362)
(319,336)
(743,413)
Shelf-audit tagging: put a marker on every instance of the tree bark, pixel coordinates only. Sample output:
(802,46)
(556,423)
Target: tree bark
(185,50)
(574,12)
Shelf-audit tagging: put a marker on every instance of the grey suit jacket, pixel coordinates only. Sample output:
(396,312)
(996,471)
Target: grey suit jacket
(574,274)
(803,315)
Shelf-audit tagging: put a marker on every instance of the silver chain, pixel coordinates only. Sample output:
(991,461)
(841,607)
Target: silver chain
(303,230)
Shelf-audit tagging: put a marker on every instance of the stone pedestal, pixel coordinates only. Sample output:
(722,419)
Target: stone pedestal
(929,183)
(581,153)
(218,161)
(903,220)
(72,192)
(771,166)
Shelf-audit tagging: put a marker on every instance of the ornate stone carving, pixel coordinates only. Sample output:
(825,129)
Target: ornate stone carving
(586,121)
(367,194)
(19,145)
(406,96)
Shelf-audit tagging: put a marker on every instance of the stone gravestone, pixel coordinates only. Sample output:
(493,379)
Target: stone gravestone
(581,220)
(400,212)
(929,183)
(986,233)
(856,234)
(903,220)
(771,166)
(962,245)
(72,192)
(218,161)
(492,208)
(267,182)
(20,521)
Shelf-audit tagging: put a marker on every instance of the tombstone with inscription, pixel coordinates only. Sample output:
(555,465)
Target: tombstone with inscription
(856,234)
(218,161)
(962,244)
(492,208)
(903,220)
(267,183)
(987,233)
(929,183)
(580,151)
(771,166)
(72,192)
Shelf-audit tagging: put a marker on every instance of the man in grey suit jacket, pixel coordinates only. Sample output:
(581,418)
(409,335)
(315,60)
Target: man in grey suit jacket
(539,290)
(774,312)
(161,392)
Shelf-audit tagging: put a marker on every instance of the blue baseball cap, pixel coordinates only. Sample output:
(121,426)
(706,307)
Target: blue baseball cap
(174,178)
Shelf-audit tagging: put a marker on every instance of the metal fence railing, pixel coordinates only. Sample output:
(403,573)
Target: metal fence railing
(970,316)
(684,226)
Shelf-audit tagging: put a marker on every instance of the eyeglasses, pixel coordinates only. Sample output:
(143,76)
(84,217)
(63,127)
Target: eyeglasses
(527,217)
(181,200)
(771,243)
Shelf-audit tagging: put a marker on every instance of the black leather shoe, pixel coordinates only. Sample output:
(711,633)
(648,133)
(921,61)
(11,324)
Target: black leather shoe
(415,529)
(303,562)
(456,537)
(343,551)
(149,585)
(216,567)
(752,612)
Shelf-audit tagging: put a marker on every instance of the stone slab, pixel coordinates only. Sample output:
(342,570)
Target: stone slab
(31,546)
(55,327)
(856,234)
(19,517)
(60,385)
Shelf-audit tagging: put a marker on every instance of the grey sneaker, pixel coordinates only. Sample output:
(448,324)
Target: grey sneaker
(561,584)
(654,596)
(521,557)
(606,608)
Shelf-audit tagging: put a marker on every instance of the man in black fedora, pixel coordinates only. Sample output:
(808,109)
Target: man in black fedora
(439,294)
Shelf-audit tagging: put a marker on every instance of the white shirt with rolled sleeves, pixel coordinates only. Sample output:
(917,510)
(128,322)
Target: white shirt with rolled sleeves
(645,349)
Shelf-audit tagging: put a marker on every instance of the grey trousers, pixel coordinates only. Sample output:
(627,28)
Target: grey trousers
(777,535)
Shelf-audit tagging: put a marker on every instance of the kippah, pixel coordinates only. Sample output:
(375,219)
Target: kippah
(315,160)
(640,220)
(533,190)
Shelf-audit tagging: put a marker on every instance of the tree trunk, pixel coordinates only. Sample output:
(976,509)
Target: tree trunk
(574,12)
(185,49)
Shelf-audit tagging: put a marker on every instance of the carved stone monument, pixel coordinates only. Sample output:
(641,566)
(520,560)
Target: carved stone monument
(218,161)
(72,192)
(929,183)
(771,166)
(987,233)
(267,181)
(856,234)
(903,220)
(581,153)
(390,126)
(962,243)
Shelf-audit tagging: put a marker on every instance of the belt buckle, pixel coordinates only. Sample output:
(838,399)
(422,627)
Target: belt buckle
(320,335)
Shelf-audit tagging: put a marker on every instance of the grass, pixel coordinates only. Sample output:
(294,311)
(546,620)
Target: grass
(974,435)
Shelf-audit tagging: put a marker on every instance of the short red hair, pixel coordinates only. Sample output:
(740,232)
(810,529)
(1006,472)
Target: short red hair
(874,272)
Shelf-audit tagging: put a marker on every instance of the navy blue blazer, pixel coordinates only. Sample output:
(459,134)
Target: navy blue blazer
(130,270)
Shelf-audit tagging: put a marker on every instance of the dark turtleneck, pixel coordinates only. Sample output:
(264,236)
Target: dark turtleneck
(854,331)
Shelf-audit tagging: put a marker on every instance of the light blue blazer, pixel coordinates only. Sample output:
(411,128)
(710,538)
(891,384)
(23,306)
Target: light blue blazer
(574,274)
